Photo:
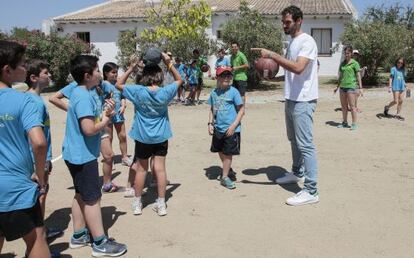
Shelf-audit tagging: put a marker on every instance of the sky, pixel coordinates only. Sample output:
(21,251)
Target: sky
(31,13)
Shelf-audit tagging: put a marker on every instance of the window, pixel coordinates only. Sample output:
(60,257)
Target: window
(219,36)
(323,38)
(84,36)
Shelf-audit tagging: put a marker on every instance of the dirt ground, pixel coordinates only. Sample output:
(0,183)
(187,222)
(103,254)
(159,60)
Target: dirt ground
(366,186)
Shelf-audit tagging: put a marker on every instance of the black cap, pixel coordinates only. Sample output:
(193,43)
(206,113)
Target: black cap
(152,56)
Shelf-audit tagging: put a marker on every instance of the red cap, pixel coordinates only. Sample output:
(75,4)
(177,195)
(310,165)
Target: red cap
(223,69)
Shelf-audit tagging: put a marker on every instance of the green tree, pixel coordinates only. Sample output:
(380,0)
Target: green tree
(56,50)
(176,26)
(381,35)
(250,29)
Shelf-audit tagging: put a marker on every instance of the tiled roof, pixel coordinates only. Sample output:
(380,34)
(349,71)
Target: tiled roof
(130,9)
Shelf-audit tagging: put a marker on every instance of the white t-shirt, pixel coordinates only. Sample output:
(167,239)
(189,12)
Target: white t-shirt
(304,86)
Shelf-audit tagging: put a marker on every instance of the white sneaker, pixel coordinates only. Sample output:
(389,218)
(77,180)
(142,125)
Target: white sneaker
(136,207)
(289,178)
(161,209)
(302,198)
(129,192)
(127,162)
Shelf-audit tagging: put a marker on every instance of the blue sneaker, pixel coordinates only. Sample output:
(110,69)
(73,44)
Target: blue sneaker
(108,248)
(85,240)
(226,182)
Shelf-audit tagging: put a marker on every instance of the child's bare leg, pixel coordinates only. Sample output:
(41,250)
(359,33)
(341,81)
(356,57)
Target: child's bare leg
(36,244)
(226,159)
(141,166)
(77,215)
(120,130)
(159,170)
(93,217)
(108,156)
(131,176)
(400,101)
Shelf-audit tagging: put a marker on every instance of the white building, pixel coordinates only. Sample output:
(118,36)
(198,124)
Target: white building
(101,24)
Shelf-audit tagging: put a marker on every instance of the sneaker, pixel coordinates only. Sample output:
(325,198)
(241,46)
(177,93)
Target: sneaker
(129,192)
(160,209)
(108,248)
(302,198)
(53,232)
(353,127)
(386,109)
(343,125)
(136,207)
(127,162)
(400,117)
(110,188)
(79,242)
(226,182)
(289,178)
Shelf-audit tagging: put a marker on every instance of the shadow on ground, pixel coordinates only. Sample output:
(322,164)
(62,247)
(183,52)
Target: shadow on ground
(272,173)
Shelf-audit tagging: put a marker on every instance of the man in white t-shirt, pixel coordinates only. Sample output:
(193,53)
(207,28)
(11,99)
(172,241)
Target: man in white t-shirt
(301,94)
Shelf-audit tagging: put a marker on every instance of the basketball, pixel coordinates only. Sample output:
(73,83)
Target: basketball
(266,68)
(204,68)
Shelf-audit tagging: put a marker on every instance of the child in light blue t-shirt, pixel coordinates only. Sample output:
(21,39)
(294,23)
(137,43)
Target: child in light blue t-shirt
(20,211)
(151,127)
(222,60)
(397,86)
(225,116)
(192,79)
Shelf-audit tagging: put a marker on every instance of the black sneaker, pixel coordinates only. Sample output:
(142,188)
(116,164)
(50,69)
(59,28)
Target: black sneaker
(232,175)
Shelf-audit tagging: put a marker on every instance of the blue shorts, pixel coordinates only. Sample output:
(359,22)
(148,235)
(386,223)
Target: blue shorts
(349,90)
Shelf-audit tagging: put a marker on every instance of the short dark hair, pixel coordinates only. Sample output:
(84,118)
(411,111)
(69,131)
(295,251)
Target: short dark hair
(108,67)
(222,50)
(152,75)
(11,53)
(348,48)
(82,64)
(196,51)
(34,67)
(293,10)
(235,42)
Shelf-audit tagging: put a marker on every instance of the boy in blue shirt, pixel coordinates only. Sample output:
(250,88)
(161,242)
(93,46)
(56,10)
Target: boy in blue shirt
(182,70)
(225,116)
(192,78)
(151,128)
(37,78)
(222,60)
(20,211)
(80,151)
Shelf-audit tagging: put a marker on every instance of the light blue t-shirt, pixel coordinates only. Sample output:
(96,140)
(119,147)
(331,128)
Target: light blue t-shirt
(223,62)
(78,148)
(44,116)
(109,88)
(17,117)
(398,79)
(224,103)
(99,98)
(192,73)
(181,70)
(151,123)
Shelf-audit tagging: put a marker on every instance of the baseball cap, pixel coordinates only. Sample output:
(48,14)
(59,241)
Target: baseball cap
(152,56)
(223,69)
(355,52)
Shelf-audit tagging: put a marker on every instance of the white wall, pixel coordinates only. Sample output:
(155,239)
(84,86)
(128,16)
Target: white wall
(104,37)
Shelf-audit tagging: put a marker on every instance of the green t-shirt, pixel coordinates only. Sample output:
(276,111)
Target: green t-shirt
(349,73)
(238,60)
(202,60)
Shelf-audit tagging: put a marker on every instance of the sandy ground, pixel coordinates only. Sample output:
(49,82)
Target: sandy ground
(366,184)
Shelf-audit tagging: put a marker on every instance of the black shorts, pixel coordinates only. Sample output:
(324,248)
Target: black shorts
(86,180)
(240,86)
(200,82)
(16,224)
(145,151)
(226,145)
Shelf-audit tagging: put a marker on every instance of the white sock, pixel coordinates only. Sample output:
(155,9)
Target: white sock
(161,200)
(137,199)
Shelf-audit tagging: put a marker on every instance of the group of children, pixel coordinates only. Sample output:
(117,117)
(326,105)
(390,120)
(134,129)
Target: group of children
(94,107)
